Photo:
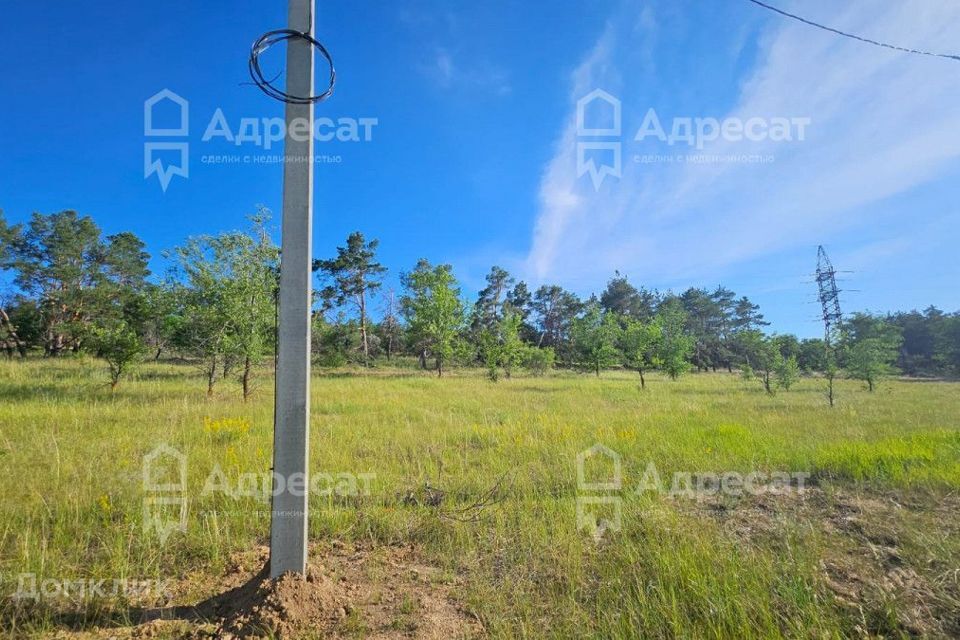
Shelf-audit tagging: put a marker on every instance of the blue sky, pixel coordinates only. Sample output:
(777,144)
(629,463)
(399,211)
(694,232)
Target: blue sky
(473,159)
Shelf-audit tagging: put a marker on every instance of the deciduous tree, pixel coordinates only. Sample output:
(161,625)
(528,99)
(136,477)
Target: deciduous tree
(640,345)
(119,345)
(433,309)
(675,345)
(872,350)
(595,336)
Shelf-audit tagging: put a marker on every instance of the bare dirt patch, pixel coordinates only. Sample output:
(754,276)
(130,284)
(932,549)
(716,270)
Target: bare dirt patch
(350,591)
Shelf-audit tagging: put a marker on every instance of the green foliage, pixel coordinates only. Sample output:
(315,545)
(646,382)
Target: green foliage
(873,349)
(85,290)
(703,317)
(520,301)
(74,275)
(7,235)
(23,325)
(489,309)
(389,331)
(762,355)
(623,299)
(538,360)
(640,344)
(68,279)
(119,345)
(931,341)
(812,355)
(675,344)
(947,345)
(489,353)
(500,346)
(595,336)
(511,346)
(554,310)
(432,307)
(334,343)
(226,289)
(353,274)
(160,309)
(788,346)
(714,319)
(787,372)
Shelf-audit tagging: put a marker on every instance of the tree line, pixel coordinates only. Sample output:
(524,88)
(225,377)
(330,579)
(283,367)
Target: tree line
(76,290)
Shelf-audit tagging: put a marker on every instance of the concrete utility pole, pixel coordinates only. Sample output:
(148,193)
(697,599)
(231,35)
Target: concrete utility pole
(291,431)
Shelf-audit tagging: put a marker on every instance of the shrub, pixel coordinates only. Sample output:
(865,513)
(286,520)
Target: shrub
(787,372)
(539,360)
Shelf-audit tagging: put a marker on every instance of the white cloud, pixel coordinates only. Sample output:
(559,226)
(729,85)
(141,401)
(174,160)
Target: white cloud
(443,68)
(562,197)
(449,73)
(883,123)
(446,58)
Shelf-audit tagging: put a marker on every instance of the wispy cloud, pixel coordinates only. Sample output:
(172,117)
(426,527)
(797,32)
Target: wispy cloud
(445,60)
(882,124)
(449,73)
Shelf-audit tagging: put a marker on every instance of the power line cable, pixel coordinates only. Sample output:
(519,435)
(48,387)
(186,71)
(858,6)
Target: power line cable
(271,38)
(854,36)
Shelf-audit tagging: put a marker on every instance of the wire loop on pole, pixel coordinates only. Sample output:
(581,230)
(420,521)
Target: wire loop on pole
(271,38)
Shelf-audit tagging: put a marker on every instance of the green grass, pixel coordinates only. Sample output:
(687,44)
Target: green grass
(71,455)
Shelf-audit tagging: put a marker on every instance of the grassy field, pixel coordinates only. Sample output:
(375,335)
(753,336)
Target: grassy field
(871,548)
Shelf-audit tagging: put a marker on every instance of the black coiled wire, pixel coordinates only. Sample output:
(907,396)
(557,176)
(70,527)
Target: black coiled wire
(271,38)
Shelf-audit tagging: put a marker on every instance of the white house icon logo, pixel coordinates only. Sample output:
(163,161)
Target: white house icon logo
(591,508)
(594,106)
(165,489)
(611,483)
(587,101)
(153,164)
